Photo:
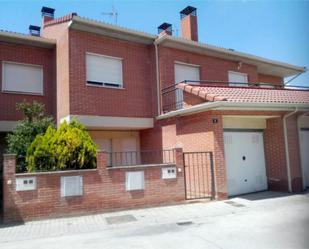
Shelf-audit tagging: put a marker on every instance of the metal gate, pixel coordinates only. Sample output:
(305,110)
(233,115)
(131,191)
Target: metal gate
(199,175)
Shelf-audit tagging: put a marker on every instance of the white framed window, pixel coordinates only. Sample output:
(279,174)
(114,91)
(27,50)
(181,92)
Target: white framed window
(185,72)
(22,78)
(102,70)
(135,180)
(237,79)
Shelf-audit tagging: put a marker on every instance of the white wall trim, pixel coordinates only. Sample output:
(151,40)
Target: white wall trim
(111,123)
(186,64)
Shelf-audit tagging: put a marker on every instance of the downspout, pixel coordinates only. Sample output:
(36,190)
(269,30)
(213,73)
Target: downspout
(287,156)
(158,80)
(299,144)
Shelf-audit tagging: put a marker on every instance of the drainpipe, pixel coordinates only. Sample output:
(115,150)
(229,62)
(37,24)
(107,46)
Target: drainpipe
(299,145)
(287,156)
(158,80)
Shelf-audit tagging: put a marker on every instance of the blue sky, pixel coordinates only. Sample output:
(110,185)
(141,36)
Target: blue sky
(273,29)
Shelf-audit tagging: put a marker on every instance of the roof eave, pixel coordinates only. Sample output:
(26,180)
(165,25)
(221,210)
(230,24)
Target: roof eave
(26,40)
(238,56)
(224,105)
(87,25)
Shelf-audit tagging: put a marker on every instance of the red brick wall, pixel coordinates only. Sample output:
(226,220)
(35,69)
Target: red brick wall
(270,79)
(29,55)
(211,68)
(294,154)
(104,190)
(189,28)
(135,100)
(194,133)
(275,155)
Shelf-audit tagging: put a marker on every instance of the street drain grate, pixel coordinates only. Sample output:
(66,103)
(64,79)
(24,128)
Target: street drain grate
(120,219)
(234,204)
(184,223)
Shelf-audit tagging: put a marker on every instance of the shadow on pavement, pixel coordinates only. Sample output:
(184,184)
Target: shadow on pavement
(11,224)
(262,195)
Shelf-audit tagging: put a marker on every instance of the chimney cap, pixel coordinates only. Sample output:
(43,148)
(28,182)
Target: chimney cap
(189,10)
(165,27)
(34,30)
(46,11)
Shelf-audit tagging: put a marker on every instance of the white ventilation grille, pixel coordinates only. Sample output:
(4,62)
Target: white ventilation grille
(134,180)
(71,186)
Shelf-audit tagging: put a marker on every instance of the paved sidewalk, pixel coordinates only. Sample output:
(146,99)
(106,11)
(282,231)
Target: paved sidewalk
(262,220)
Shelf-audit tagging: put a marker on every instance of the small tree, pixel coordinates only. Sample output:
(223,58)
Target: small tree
(68,147)
(35,122)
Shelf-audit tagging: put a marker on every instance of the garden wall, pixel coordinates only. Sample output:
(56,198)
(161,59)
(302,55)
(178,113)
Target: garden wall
(103,189)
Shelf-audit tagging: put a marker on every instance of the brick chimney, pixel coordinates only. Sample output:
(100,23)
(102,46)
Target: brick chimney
(47,14)
(165,29)
(34,30)
(189,23)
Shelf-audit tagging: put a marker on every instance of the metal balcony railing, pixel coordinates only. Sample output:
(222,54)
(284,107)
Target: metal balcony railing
(131,158)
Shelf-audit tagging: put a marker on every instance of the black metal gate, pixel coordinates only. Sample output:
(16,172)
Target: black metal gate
(199,175)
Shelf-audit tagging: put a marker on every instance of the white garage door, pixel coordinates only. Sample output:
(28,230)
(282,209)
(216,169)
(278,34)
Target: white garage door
(245,162)
(304,141)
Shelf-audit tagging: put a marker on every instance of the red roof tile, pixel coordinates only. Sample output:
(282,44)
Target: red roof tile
(247,95)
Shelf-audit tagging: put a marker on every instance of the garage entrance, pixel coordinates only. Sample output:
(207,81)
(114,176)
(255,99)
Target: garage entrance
(245,161)
(199,175)
(304,144)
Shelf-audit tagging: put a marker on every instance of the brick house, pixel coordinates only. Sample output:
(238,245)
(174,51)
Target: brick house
(140,92)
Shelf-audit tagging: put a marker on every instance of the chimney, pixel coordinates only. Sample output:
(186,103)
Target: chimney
(34,30)
(189,23)
(165,29)
(47,14)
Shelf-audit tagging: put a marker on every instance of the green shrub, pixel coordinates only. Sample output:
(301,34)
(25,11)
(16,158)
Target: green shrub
(35,122)
(68,147)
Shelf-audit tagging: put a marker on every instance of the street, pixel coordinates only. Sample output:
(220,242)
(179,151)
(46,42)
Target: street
(260,220)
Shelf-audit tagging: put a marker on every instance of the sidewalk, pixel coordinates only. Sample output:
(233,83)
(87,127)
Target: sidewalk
(211,222)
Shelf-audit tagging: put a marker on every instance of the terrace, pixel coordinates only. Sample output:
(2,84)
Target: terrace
(189,93)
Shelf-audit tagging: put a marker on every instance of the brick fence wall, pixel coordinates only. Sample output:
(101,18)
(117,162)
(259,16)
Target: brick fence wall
(103,190)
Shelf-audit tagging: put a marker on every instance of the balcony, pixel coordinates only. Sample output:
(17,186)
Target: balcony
(190,93)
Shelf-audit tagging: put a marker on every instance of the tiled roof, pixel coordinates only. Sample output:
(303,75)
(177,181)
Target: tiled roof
(60,19)
(247,94)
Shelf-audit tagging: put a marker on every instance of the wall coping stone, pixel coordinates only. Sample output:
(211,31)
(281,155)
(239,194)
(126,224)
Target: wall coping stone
(77,171)
(142,166)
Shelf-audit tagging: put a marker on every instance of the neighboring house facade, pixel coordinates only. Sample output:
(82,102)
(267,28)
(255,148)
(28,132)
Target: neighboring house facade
(138,92)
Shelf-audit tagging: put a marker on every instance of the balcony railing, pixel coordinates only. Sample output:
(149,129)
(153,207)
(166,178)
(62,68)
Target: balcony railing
(172,97)
(131,158)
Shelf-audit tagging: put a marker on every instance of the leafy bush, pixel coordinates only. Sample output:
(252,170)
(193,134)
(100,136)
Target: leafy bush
(68,147)
(35,122)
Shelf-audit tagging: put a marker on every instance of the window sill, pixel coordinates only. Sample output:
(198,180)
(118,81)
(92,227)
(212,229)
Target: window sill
(109,87)
(23,93)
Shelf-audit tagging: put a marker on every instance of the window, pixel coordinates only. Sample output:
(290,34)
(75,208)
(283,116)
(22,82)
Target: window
(185,72)
(103,70)
(238,79)
(24,78)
